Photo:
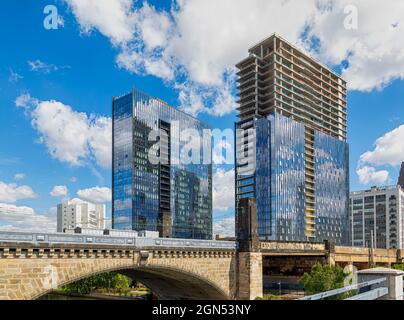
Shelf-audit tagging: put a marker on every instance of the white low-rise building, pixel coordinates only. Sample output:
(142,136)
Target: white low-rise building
(78,213)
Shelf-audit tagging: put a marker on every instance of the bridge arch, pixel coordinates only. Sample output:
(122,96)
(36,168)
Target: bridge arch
(176,284)
(167,283)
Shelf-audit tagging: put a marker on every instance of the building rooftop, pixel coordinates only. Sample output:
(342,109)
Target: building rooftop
(299,49)
(376,189)
(161,101)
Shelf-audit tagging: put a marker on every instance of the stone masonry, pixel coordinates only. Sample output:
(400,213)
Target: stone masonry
(28,273)
(250,282)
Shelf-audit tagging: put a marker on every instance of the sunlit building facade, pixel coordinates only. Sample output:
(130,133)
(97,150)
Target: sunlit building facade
(377,215)
(80,214)
(291,145)
(171,197)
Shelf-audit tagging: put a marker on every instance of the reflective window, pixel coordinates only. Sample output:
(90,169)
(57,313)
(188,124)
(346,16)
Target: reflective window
(332,188)
(280,182)
(280,178)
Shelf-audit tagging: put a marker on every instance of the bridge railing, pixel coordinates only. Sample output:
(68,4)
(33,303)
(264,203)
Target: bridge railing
(136,242)
(369,294)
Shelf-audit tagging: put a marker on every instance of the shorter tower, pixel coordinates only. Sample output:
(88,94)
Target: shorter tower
(173,197)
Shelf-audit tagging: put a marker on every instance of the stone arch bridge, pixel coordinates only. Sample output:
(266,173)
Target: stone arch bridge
(32,265)
(196,270)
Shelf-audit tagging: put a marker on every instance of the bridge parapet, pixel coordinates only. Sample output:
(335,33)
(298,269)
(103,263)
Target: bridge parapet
(365,255)
(89,240)
(285,248)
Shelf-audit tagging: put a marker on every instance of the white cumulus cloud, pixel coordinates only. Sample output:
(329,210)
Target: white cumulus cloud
(389,149)
(373,52)
(59,191)
(17,218)
(70,136)
(25,100)
(112,18)
(11,193)
(223,190)
(224,227)
(195,45)
(198,41)
(95,195)
(371,175)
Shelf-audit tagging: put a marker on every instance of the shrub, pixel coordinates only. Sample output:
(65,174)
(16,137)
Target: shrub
(325,278)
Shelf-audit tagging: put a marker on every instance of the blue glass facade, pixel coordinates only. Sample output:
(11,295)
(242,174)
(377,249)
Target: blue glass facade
(280,178)
(332,188)
(280,182)
(147,196)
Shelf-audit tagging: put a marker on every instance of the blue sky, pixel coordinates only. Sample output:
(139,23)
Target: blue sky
(183,53)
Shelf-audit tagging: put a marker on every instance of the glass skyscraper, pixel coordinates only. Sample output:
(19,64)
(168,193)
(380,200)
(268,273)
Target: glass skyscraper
(173,197)
(291,149)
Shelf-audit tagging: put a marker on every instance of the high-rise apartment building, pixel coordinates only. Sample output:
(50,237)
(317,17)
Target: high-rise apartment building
(77,213)
(377,212)
(295,162)
(173,197)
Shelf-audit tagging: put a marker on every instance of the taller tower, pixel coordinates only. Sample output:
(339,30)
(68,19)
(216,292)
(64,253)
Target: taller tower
(296,163)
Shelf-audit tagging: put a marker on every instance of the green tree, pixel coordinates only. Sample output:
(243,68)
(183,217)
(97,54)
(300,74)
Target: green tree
(121,284)
(109,281)
(324,278)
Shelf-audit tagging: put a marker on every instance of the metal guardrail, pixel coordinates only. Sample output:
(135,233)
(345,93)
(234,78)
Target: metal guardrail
(371,295)
(137,242)
(357,286)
